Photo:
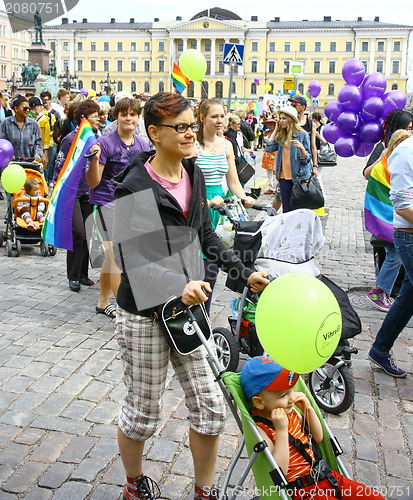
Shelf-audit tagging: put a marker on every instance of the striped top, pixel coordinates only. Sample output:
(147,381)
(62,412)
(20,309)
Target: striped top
(214,167)
(298,465)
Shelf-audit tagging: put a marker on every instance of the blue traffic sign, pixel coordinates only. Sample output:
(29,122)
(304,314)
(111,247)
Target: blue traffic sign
(233,53)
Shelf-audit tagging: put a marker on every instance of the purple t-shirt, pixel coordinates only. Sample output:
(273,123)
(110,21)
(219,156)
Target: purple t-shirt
(116,156)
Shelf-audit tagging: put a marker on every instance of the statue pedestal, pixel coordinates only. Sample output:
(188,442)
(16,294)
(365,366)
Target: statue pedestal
(39,53)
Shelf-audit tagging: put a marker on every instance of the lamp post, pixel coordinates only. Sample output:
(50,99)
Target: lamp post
(68,81)
(13,84)
(106,85)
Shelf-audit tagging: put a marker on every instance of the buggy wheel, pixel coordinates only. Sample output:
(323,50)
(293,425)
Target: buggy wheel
(226,346)
(43,249)
(9,248)
(18,248)
(1,238)
(52,250)
(333,393)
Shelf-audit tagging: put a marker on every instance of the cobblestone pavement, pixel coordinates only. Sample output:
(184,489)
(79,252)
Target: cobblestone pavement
(61,378)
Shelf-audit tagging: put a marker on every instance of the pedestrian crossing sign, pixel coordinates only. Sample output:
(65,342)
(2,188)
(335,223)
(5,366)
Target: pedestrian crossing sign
(233,53)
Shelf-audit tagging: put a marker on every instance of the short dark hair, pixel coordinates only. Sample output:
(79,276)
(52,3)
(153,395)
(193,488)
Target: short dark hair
(85,109)
(163,105)
(126,104)
(45,93)
(15,103)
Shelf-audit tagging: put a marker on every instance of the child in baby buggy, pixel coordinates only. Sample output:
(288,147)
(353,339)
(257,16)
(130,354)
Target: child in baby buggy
(292,436)
(31,190)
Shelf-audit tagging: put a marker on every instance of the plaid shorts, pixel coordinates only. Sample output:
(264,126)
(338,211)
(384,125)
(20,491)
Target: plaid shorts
(145,354)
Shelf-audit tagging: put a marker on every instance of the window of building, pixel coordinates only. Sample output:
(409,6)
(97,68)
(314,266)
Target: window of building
(331,89)
(53,46)
(79,65)
(80,46)
(286,66)
(364,46)
(396,47)
(272,88)
(161,65)
(234,88)
(254,66)
(147,46)
(92,65)
(254,46)
(365,63)
(147,66)
(394,86)
(93,85)
(180,46)
(120,86)
(161,46)
(300,88)
(133,46)
(380,66)
(133,65)
(147,87)
(119,65)
(317,47)
(332,67)
(287,47)
(333,46)
(253,88)
(80,84)
(65,45)
(93,46)
(133,87)
(161,87)
(204,92)
(106,65)
(106,46)
(349,46)
(272,47)
(66,64)
(396,67)
(219,89)
(380,46)
(302,47)
(207,46)
(120,46)
(316,68)
(190,91)
(192,44)
(208,69)
(221,67)
(221,46)
(271,66)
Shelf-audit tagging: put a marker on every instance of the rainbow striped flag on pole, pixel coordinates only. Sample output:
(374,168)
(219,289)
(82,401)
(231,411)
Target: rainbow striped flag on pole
(57,229)
(378,209)
(179,80)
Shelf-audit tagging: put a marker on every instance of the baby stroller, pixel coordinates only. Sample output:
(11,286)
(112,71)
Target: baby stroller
(269,478)
(16,232)
(285,244)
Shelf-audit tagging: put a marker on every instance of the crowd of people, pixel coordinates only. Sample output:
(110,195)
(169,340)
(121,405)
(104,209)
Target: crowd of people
(150,183)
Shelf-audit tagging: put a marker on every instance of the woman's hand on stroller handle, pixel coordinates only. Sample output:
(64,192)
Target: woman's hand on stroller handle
(258,281)
(195,292)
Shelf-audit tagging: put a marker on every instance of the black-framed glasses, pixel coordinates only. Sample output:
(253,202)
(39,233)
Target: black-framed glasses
(181,128)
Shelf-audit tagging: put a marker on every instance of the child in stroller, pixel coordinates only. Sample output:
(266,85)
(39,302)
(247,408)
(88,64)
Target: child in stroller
(284,244)
(292,436)
(31,198)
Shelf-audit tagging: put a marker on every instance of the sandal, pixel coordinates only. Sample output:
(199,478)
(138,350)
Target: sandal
(109,310)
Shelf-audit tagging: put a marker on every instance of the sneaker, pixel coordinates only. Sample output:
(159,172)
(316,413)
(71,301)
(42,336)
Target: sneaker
(387,364)
(141,488)
(380,299)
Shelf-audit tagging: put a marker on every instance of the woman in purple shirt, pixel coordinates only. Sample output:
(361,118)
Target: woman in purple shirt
(114,152)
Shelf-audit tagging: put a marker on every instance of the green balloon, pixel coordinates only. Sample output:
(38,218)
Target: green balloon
(13,177)
(298,322)
(193,64)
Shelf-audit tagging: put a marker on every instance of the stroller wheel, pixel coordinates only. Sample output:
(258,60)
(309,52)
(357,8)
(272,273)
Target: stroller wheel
(52,250)
(333,389)
(9,248)
(18,248)
(1,238)
(43,249)
(227,348)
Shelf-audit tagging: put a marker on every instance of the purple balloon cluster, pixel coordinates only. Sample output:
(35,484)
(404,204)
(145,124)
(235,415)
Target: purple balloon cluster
(357,115)
(6,153)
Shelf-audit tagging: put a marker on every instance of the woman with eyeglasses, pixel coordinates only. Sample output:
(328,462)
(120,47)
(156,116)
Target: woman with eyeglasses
(161,227)
(114,152)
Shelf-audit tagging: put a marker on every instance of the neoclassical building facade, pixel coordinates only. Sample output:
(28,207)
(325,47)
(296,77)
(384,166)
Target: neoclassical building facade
(138,56)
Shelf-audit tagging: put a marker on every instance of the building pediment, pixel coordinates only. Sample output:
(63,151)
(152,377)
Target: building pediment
(208,24)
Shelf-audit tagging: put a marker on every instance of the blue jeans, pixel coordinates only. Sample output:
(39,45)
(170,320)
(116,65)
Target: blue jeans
(402,309)
(286,187)
(389,270)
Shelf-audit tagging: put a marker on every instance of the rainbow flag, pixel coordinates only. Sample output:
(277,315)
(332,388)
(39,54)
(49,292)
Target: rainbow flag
(378,209)
(180,81)
(57,229)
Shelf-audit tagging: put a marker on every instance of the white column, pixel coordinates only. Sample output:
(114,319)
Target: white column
(72,55)
(388,56)
(172,53)
(357,48)
(403,69)
(241,68)
(198,44)
(372,68)
(213,62)
(226,66)
(59,62)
